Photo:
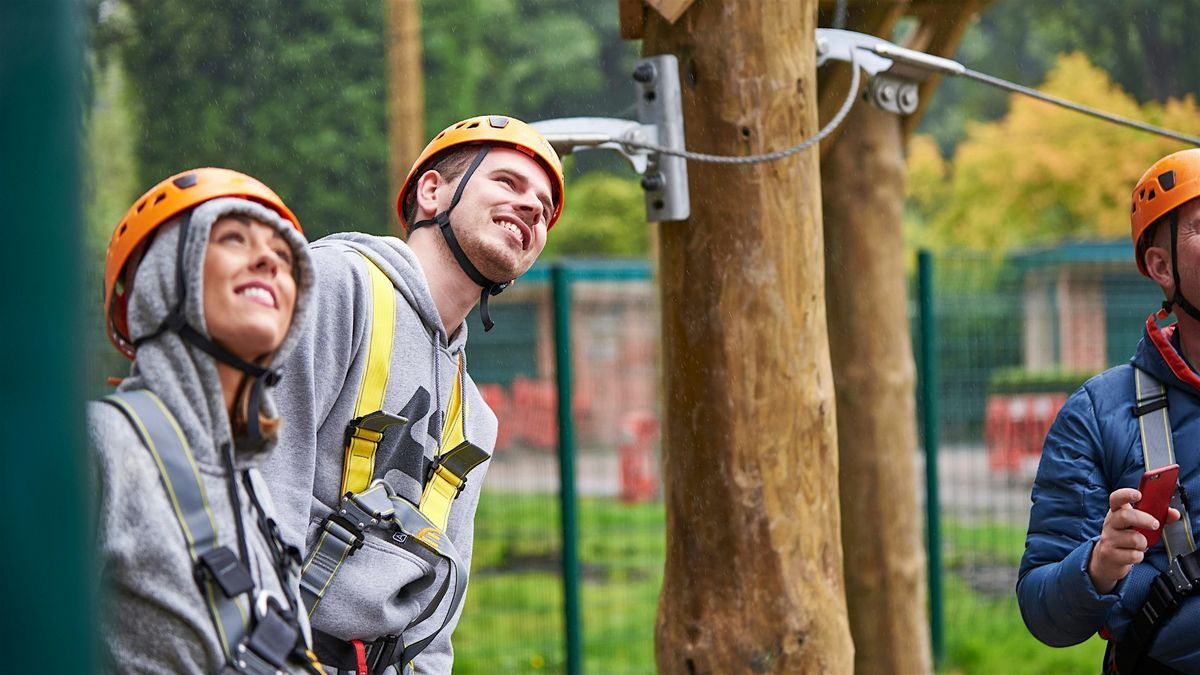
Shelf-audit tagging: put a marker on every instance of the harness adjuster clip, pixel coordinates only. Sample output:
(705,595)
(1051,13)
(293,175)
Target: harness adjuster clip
(436,468)
(224,567)
(1179,578)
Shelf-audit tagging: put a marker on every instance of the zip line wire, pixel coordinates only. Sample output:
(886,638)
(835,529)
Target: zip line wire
(1069,105)
(849,103)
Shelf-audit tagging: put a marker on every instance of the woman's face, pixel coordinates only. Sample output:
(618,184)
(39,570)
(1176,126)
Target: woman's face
(249,288)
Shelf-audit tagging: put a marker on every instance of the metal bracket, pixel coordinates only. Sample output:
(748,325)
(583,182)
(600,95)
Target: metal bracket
(895,71)
(660,122)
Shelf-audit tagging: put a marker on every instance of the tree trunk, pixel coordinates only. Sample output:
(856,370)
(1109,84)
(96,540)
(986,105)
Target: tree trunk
(863,188)
(754,566)
(406,92)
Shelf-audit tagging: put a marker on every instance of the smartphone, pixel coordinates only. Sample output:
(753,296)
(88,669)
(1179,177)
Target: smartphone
(1156,487)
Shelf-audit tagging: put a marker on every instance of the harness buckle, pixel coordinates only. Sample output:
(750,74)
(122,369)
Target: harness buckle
(224,567)
(1179,577)
(436,468)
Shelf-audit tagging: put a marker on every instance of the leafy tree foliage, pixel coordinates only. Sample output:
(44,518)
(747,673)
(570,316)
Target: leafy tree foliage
(604,215)
(535,59)
(1144,45)
(1041,173)
(291,92)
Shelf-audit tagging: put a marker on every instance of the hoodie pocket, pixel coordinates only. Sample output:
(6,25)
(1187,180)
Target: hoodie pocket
(378,590)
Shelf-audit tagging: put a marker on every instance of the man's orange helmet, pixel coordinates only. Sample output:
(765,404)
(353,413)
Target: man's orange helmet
(492,130)
(1166,185)
(160,204)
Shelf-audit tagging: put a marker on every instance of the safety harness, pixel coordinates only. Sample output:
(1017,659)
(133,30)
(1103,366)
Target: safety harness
(442,220)
(261,632)
(1182,578)
(370,507)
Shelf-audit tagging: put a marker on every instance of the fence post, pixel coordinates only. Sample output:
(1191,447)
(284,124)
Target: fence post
(929,428)
(560,276)
(44,568)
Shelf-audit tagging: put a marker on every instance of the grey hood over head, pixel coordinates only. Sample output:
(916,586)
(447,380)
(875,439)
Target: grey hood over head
(153,615)
(181,373)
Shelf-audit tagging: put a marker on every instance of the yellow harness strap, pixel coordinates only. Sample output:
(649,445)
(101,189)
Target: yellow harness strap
(455,459)
(361,443)
(443,486)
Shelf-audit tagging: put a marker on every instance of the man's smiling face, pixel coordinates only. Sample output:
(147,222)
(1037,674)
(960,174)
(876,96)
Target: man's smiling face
(500,220)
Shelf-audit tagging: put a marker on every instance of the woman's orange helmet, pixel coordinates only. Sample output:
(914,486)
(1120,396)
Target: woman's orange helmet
(1166,185)
(160,204)
(492,130)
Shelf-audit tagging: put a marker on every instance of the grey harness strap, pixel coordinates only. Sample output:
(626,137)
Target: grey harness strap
(1182,578)
(224,580)
(400,522)
(1158,451)
(185,488)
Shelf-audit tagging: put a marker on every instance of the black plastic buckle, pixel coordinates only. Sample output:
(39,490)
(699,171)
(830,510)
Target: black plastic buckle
(223,566)
(382,653)
(274,638)
(359,535)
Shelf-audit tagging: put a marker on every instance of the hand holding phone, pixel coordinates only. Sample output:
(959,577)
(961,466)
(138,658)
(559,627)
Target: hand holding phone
(1157,487)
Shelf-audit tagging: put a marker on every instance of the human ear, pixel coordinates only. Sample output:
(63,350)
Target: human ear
(1158,266)
(427,192)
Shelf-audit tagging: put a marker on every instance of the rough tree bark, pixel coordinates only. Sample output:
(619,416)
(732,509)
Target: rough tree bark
(862,189)
(406,92)
(754,566)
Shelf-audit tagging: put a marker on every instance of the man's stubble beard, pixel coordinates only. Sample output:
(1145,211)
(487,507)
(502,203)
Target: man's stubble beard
(492,258)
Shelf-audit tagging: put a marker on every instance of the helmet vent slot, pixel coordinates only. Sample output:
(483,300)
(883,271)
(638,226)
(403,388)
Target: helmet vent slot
(161,196)
(186,181)
(141,205)
(1166,180)
(1151,196)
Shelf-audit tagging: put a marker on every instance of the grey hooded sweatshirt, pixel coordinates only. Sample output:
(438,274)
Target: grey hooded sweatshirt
(381,587)
(153,617)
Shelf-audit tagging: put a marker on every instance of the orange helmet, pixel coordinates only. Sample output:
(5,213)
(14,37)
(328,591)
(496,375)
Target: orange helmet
(1166,185)
(492,130)
(162,202)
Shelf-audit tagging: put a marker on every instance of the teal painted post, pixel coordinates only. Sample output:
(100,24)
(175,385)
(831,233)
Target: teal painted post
(45,566)
(929,428)
(560,276)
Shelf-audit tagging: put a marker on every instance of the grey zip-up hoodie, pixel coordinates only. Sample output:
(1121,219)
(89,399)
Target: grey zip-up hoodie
(153,616)
(381,587)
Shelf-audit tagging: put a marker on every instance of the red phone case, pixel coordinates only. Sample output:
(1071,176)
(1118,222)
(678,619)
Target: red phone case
(1156,487)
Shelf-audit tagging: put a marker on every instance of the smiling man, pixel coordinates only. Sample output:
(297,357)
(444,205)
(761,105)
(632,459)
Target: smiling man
(388,439)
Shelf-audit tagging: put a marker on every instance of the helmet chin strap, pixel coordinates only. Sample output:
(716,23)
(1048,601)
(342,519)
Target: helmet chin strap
(442,220)
(1177,298)
(175,322)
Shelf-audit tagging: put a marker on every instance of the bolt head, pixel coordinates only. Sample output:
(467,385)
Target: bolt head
(653,182)
(644,72)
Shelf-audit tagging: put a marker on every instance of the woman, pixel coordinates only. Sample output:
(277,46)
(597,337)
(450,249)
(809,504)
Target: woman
(207,282)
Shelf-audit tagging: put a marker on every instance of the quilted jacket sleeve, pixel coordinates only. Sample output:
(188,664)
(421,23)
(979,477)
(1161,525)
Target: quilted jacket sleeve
(1058,601)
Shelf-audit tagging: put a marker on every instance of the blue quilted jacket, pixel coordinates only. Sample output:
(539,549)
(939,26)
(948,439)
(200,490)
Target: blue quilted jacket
(1092,449)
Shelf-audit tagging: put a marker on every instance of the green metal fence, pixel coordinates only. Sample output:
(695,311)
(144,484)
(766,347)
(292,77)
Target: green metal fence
(569,534)
(1014,336)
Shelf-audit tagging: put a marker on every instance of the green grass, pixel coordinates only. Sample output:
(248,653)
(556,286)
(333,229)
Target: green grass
(984,630)
(513,620)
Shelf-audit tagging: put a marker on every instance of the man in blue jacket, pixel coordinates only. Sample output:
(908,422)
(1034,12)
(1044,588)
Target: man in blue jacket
(1086,569)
